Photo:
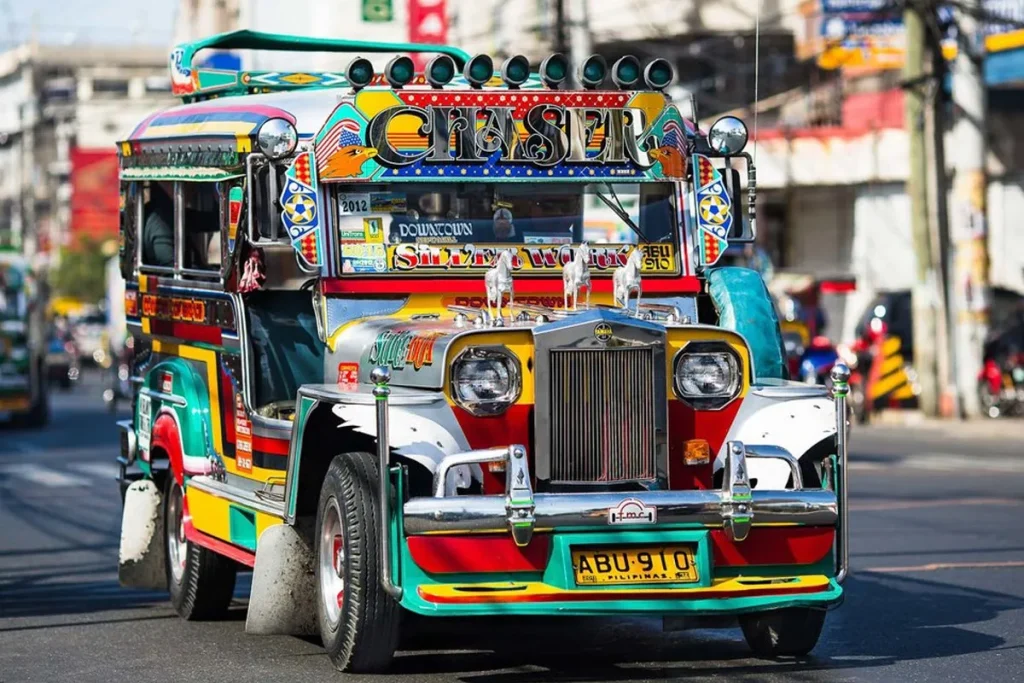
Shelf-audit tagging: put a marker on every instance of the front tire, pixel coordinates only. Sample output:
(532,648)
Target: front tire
(201,582)
(791,632)
(358,619)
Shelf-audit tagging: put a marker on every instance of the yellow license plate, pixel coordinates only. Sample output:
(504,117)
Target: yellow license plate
(657,564)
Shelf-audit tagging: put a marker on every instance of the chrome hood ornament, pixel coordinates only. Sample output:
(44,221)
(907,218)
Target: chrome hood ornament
(498,280)
(575,276)
(627,280)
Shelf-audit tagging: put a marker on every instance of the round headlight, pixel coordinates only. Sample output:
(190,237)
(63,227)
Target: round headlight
(277,138)
(485,380)
(728,135)
(707,375)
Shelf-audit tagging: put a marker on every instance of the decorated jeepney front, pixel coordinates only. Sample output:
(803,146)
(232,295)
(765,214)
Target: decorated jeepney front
(530,388)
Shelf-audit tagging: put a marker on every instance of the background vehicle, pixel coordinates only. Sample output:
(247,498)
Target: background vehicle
(89,331)
(62,366)
(1001,380)
(24,387)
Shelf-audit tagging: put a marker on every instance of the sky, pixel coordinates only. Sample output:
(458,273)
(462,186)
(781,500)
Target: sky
(89,21)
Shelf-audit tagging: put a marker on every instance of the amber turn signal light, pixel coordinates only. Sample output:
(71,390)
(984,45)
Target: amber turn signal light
(697,452)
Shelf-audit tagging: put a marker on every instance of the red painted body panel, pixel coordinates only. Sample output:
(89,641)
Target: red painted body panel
(467,554)
(165,437)
(773,546)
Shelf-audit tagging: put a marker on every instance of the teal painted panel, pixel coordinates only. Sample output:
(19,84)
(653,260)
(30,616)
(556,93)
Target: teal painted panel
(242,527)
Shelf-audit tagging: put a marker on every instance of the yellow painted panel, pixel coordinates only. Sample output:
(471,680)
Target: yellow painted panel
(209,514)
(678,338)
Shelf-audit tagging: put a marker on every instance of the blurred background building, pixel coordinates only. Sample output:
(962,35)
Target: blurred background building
(62,108)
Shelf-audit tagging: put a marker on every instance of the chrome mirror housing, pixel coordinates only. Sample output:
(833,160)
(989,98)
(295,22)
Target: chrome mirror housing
(728,135)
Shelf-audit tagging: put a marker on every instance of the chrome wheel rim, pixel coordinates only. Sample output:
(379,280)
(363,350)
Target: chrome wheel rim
(176,543)
(332,563)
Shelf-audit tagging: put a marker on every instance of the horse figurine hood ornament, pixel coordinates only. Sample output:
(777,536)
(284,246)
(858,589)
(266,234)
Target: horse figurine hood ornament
(627,280)
(575,276)
(498,280)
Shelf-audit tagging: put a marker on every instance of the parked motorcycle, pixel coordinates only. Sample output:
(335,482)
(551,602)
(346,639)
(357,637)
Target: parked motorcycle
(1000,383)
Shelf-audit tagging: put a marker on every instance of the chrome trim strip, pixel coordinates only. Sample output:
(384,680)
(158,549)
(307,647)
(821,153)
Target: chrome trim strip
(167,398)
(381,377)
(778,453)
(362,394)
(208,484)
(840,387)
(468,458)
(476,514)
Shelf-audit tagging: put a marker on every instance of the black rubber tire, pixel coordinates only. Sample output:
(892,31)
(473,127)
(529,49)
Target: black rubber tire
(791,632)
(367,632)
(208,582)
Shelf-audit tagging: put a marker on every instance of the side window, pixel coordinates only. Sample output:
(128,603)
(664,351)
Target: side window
(157,239)
(205,209)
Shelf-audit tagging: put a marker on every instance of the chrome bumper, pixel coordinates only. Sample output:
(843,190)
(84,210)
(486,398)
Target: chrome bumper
(521,512)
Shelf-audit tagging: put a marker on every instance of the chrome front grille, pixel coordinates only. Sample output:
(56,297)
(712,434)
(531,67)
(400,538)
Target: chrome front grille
(603,415)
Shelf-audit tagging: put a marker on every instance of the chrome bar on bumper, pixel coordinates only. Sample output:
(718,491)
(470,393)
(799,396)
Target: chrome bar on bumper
(381,377)
(476,514)
(840,388)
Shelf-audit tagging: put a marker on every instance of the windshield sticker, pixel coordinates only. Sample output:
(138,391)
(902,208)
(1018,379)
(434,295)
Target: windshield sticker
(714,211)
(373,230)
(388,202)
(354,204)
(431,232)
(300,210)
(507,135)
(363,257)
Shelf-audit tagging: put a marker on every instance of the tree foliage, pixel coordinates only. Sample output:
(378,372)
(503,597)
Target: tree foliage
(81,271)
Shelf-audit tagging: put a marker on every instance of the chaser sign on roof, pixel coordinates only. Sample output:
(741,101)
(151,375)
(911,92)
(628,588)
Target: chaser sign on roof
(508,135)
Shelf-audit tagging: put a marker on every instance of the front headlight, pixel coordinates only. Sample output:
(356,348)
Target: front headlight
(707,375)
(485,380)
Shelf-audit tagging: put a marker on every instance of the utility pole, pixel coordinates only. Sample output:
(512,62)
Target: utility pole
(970,234)
(949,396)
(923,293)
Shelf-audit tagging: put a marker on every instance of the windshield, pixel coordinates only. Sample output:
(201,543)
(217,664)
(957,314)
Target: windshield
(509,213)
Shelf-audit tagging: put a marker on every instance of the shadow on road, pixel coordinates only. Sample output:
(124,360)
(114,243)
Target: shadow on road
(885,619)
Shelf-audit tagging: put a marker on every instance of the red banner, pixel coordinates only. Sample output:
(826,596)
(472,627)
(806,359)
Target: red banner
(428,23)
(95,199)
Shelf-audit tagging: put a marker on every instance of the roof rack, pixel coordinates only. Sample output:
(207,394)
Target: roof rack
(199,83)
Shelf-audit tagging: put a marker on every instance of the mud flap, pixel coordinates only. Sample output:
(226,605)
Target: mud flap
(142,555)
(282,600)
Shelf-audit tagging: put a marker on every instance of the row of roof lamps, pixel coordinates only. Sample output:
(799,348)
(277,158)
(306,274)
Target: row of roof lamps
(626,72)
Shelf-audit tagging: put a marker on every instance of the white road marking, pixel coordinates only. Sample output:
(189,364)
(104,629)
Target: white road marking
(103,470)
(44,476)
(945,462)
(934,566)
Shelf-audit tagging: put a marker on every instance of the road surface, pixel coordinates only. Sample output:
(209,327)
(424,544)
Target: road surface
(936,594)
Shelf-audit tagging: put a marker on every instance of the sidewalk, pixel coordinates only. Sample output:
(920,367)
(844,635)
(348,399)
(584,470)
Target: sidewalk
(1001,428)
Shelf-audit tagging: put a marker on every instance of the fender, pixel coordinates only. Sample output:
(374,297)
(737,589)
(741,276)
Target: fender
(787,414)
(421,424)
(180,416)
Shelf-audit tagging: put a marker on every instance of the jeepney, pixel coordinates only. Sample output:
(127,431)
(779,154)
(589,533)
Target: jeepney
(24,385)
(377,363)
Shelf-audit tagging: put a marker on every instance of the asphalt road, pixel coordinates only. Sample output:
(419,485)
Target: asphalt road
(936,594)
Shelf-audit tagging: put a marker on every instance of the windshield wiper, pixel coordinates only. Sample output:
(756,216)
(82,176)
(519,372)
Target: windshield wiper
(621,212)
